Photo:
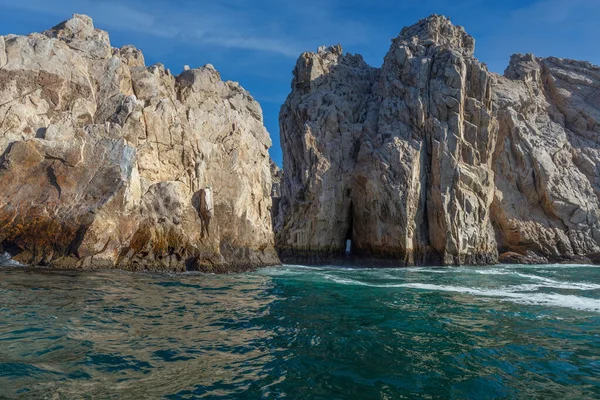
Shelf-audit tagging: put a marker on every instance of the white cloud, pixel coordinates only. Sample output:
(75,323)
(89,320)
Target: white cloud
(216,27)
(283,28)
(558,11)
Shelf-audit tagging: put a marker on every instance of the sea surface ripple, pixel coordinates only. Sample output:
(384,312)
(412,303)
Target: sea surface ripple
(296,332)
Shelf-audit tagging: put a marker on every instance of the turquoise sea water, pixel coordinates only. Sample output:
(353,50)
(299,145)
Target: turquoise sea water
(302,333)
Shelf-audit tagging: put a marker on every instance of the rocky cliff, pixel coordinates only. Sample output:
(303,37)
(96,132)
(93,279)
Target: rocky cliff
(432,159)
(547,160)
(276,179)
(108,163)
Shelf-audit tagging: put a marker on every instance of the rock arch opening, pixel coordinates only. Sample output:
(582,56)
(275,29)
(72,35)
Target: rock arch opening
(348,240)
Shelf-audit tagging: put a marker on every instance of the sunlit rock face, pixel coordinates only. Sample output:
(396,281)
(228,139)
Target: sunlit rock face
(108,163)
(432,159)
(547,160)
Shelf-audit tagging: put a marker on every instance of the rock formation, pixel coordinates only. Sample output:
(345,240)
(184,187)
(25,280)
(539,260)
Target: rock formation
(108,163)
(276,178)
(547,160)
(432,159)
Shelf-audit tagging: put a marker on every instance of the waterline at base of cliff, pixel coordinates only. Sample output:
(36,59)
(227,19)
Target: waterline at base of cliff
(302,332)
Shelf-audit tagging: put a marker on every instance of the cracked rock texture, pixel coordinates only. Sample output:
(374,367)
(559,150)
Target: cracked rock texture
(432,159)
(276,179)
(108,163)
(547,160)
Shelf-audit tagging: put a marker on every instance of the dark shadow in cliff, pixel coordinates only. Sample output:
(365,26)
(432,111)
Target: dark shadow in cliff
(202,202)
(11,248)
(3,156)
(350,232)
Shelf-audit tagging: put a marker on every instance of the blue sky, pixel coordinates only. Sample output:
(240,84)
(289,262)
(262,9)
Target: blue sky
(257,42)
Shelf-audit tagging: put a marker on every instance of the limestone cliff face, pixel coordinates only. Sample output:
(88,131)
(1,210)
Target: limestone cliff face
(547,160)
(108,163)
(321,124)
(276,178)
(432,159)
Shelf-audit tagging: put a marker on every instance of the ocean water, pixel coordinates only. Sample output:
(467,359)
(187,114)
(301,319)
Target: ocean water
(296,332)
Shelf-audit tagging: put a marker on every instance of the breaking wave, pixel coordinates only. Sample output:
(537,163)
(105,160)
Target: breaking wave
(7,261)
(520,285)
(510,294)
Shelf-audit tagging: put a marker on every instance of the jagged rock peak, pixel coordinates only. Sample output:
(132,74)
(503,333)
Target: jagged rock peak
(335,50)
(105,162)
(437,30)
(80,34)
(311,67)
(522,67)
(434,159)
(79,26)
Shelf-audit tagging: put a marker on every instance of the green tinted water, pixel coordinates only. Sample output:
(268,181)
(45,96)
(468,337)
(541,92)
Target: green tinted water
(302,333)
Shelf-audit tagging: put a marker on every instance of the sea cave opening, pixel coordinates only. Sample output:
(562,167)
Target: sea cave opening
(350,232)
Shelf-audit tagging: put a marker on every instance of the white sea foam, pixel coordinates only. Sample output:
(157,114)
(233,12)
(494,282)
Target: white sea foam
(492,272)
(547,282)
(529,292)
(522,294)
(444,270)
(546,299)
(542,282)
(345,281)
(349,281)
(7,261)
(549,266)
(573,285)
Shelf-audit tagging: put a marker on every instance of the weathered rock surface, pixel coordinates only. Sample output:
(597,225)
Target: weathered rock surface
(276,179)
(546,163)
(108,163)
(432,159)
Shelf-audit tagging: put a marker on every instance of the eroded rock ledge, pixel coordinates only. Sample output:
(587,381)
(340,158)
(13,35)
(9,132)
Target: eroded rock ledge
(432,159)
(108,163)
